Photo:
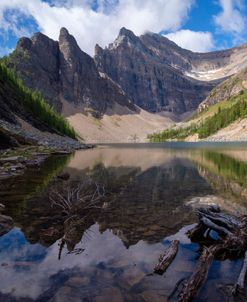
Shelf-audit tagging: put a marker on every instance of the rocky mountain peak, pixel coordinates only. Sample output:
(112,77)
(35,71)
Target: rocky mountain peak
(24,43)
(64,31)
(125,37)
(98,49)
(67,43)
(126,32)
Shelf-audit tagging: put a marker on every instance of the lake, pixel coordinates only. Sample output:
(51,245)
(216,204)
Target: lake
(149,196)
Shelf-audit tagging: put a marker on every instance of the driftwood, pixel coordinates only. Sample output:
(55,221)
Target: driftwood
(239,286)
(199,276)
(230,242)
(166,259)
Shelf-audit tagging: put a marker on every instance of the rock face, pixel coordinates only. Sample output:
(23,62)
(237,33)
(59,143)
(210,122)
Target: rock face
(149,71)
(230,87)
(62,72)
(158,75)
(37,62)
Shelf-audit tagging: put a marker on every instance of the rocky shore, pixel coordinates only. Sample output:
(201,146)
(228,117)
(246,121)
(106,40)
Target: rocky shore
(27,146)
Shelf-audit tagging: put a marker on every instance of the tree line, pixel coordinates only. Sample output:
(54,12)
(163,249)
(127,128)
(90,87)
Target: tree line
(33,102)
(221,119)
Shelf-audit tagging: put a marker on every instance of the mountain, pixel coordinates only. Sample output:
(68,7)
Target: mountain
(64,74)
(134,87)
(150,70)
(159,76)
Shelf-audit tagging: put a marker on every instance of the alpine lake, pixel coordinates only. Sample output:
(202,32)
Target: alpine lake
(143,197)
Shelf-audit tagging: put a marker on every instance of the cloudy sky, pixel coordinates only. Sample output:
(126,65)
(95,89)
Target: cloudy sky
(199,25)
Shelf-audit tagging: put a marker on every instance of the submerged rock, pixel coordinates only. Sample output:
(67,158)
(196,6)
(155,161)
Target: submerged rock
(110,294)
(6,224)
(153,296)
(2,207)
(63,176)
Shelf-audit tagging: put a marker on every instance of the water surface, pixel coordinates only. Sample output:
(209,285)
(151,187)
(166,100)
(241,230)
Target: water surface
(151,192)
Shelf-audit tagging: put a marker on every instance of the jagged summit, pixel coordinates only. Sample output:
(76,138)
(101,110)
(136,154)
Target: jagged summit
(125,36)
(126,32)
(67,42)
(64,31)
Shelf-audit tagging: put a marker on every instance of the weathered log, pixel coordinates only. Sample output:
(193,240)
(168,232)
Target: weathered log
(219,218)
(239,286)
(167,258)
(231,243)
(199,276)
(211,225)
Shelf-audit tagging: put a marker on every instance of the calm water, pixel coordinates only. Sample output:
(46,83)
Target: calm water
(151,192)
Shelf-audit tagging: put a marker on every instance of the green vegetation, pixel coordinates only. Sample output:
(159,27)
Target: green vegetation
(224,117)
(173,133)
(33,102)
(227,112)
(211,110)
(228,167)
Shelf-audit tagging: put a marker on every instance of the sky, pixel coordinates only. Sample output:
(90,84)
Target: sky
(198,25)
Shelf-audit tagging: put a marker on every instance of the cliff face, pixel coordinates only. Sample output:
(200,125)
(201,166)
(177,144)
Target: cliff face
(36,62)
(61,71)
(149,71)
(158,75)
(146,69)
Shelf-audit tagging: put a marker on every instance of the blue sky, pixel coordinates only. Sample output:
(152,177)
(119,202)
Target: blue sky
(199,25)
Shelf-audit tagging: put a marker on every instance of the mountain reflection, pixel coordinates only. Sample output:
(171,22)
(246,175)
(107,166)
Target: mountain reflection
(150,195)
(148,191)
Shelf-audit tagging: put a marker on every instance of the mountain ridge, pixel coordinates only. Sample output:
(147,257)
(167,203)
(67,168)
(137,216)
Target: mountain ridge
(61,71)
(132,76)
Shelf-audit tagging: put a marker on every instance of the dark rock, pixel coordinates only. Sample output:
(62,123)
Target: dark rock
(150,69)
(64,176)
(2,207)
(6,224)
(61,71)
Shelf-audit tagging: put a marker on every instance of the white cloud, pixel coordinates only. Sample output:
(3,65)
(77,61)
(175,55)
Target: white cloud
(231,19)
(101,26)
(197,41)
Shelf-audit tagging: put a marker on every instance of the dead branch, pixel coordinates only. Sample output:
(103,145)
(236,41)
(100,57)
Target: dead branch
(77,202)
(167,258)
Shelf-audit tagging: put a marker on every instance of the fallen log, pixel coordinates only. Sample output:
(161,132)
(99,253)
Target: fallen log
(231,243)
(239,286)
(166,259)
(199,276)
